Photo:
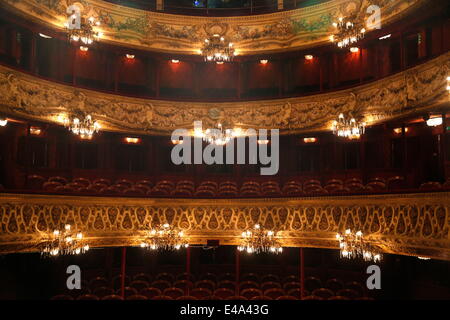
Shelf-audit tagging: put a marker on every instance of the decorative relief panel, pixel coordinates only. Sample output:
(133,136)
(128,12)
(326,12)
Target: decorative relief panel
(277,31)
(410,224)
(418,88)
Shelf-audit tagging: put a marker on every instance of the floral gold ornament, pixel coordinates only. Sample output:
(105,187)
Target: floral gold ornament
(348,128)
(348,31)
(353,245)
(260,240)
(64,242)
(164,237)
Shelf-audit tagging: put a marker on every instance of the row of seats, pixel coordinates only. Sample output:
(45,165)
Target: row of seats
(224,286)
(187,188)
(184,297)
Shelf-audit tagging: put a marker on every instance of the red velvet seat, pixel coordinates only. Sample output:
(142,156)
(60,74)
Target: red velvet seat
(127,291)
(274,293)
(139,284)
(287,298)
(165,276)
(150,293)
(250,293)
(35,182)
(261,298)
(187,298)
(51,186)
(112,297)
(201,293)
(224,293)
(270,278)
(98,282)
(323,293)
(81,181)
(173,292)
(248,285)
(226,284)
(142,277)
(58,179)
(270,285)
(161,284)
(103,292)
(206,284)
(136,297)
(87,297)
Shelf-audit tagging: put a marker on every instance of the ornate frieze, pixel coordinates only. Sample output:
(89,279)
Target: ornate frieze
(251,34)
(418,88)
(409,224)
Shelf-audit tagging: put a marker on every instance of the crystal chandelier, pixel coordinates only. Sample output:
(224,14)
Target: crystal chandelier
(350,129)
(217,49)
(163,237)
(85,34)
(353,245)
(218,136)
(260,240)
(84,127)
(65,242)
(347,32)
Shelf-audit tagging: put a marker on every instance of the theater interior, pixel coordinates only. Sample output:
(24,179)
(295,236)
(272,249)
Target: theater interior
(348,100)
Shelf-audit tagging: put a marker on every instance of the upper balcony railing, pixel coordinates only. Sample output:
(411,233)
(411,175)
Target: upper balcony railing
(217,8)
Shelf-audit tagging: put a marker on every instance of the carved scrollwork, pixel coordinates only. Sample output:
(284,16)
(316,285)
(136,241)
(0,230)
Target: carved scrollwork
(417,88)
(293,29)
(411,224)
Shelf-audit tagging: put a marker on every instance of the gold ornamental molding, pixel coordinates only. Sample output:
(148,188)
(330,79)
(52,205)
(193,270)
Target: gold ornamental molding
(417,89)
(159,31)
(407,224)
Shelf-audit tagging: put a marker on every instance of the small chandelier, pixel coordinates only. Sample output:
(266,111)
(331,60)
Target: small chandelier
(86,33)
(217,49)
(84,127)
(350,129)
(353,245)
(163,237)
(218,136)
(260,240)
(65,242)
(347,32)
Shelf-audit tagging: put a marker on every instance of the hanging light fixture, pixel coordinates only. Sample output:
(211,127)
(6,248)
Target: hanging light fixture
(83,126)
(260,240)
(218,136)
(64,242)
(3,121)
(216,48)
(85,34)
(350,129)
(164,237)
(353,245)
(348,31)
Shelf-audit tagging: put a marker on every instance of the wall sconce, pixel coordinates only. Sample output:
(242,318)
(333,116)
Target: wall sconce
(177,141)
(84,48)
(399,130)
(434,122)
(264,142)
(35,131)
(309,57)
(44,36)
(132,140)
(264,61)
(219,62)
(310,140)
(130,56)
(175,61)
(3,122)
(354,49)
